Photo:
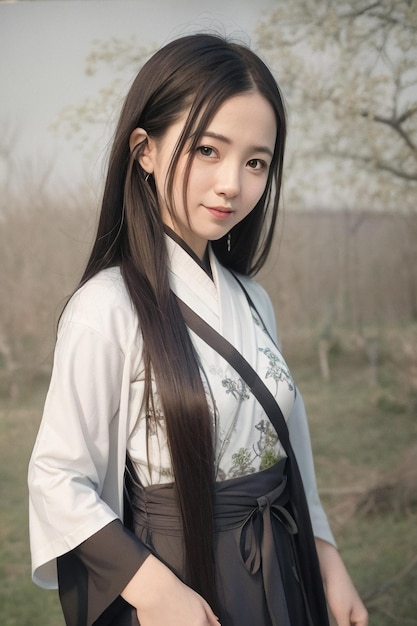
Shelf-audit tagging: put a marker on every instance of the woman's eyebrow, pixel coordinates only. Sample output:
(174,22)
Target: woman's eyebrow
(224,139)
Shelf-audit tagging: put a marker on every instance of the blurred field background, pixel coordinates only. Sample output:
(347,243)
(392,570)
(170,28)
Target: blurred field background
(343,279)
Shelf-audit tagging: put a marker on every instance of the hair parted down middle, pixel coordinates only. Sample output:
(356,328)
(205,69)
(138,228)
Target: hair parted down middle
(196,73)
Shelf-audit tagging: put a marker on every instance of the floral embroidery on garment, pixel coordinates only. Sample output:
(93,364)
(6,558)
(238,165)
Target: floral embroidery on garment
(237,388)
(266,444)
(264,451)
(277,369)
(242,463)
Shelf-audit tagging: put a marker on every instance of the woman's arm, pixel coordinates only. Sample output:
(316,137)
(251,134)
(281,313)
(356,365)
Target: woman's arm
(342,597)
(160,598)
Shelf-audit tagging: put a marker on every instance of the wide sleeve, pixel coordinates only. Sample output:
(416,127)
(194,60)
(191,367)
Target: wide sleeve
(70,461)
(92,576)
(301,443)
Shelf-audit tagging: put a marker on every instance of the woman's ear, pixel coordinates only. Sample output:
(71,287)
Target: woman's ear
(140,136)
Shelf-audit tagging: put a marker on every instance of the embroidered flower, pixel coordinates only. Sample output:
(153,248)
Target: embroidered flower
(265,448)
(241,463)
(237,388)
(277,369)
(268,436)
(268,459)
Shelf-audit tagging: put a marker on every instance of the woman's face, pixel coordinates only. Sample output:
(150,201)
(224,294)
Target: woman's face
(228,174)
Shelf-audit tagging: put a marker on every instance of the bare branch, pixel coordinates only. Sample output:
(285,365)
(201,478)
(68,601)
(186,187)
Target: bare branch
(377,163)
(386,17)
(359,12)
(395,124)
(395,171)
(409,113)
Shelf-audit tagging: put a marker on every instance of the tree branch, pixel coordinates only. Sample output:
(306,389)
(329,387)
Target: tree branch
(359,12)
(394,21)
(383,17)
(395,124)
(402,118)
(381,165)
(395,171)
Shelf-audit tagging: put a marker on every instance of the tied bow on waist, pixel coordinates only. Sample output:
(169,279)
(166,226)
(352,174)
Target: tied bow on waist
(259,526)
(266,528)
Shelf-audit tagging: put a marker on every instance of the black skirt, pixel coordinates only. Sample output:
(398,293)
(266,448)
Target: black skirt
(259,580)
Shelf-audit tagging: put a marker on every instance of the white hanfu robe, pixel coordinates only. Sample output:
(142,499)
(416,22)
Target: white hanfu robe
(93,412)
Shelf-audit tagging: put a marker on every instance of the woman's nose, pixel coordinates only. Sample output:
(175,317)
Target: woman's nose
(228,181)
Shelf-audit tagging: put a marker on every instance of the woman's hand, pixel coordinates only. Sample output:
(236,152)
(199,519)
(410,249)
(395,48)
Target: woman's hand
(160,598)
(342,597)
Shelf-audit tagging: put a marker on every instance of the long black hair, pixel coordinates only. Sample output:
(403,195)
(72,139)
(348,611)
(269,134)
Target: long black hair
(196,73)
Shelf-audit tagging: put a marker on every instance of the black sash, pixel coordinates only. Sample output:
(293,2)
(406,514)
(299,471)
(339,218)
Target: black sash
(304,539)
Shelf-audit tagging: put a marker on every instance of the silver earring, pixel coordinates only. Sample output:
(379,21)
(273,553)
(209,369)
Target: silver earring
(229,242)
(147,177)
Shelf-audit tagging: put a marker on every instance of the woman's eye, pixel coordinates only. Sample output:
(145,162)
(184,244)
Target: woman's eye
(205,151)
(256,164)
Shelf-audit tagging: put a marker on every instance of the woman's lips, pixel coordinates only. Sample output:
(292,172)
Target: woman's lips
(220,213)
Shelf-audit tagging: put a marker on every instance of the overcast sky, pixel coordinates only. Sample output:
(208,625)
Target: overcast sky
(43,47)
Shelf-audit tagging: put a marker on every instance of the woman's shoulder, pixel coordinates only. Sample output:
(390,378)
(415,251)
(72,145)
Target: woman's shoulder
(256,292)
(260,298)
(102,303)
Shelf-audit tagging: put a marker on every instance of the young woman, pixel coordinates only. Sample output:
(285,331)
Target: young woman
(167,378)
